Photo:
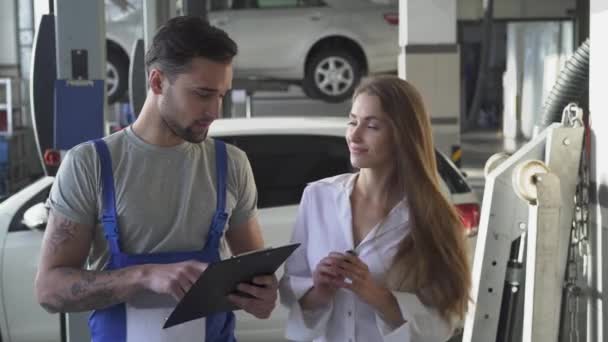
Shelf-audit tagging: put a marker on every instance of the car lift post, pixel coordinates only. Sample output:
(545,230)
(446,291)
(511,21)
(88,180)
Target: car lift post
(540,223)
(80,100)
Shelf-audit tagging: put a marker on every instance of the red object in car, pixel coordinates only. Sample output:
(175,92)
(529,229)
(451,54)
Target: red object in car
(392,18)
(469,214)
(52,157)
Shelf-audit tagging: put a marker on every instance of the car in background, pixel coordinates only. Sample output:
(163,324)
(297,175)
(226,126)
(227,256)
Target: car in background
(121,35)
(285,155)
(325,46)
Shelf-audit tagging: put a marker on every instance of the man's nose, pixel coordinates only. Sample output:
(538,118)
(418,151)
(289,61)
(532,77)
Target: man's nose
(215,107)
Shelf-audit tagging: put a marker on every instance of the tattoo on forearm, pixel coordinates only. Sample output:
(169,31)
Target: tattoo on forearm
(90,290)
(65,231)
(101,299)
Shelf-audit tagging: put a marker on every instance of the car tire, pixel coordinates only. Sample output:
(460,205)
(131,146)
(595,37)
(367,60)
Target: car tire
(309,89)
(117,75)
(332,75)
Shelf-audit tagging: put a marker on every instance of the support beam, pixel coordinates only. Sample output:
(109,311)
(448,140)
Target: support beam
(544,278)
(598,107)
(430,58)
(195,7)
(156,13)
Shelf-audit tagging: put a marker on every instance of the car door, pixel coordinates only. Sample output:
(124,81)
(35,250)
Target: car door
(272,35)
(282,166)
(24,318)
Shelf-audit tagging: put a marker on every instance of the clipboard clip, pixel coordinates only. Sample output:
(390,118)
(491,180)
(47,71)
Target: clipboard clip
(251,252)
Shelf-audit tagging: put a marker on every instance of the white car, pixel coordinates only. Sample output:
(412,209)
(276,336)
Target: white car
(326,46)
(285,155)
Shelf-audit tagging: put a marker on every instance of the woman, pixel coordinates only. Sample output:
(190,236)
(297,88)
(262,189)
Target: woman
(383,252)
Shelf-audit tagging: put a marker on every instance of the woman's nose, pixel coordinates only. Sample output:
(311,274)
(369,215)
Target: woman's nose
(354,133)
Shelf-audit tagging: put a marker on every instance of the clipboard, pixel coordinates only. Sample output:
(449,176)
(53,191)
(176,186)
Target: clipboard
(209,293)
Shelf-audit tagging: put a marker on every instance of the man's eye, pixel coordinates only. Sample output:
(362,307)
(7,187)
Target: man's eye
(351,123)
(203,95)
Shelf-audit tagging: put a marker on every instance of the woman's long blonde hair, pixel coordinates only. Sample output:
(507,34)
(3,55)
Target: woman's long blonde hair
(431,261)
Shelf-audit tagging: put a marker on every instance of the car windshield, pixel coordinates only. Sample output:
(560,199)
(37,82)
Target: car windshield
(454,180)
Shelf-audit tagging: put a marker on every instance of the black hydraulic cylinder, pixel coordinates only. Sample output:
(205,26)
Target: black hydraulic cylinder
(511,295)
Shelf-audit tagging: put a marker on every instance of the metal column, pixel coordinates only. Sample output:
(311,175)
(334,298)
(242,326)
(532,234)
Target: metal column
(80,100)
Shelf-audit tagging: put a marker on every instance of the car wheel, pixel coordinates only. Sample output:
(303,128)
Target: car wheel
(332,75)
(117,74)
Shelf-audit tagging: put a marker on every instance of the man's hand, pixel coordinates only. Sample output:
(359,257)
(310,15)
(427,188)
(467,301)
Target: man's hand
(263,293)
(172,279)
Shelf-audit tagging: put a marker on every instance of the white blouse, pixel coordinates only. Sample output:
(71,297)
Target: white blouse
(324,225)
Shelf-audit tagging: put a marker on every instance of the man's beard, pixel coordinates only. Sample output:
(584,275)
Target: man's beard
(185,133)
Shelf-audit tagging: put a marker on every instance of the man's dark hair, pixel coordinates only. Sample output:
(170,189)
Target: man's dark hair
(183,38)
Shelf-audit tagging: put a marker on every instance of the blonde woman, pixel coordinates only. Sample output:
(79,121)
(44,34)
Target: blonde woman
(383,252)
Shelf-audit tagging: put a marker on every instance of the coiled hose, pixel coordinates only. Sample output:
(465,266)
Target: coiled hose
(571,85)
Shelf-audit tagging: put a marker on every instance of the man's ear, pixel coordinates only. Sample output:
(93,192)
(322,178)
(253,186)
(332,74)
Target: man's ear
(155,80)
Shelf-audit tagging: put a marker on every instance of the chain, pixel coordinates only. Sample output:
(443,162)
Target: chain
(579,235)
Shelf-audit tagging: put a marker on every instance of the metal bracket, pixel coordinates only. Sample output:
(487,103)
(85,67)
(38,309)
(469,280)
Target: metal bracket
(503,215)
(543,288)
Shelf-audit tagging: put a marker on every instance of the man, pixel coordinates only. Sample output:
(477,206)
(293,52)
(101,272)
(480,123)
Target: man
(146,207)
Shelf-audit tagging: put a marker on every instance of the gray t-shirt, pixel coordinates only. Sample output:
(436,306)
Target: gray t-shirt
(165,196)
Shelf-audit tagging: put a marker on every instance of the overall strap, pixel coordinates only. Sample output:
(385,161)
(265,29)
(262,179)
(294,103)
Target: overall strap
(221,168)
(108,218)
(220,217)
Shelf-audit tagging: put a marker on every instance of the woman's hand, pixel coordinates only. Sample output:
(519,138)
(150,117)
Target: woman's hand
(359,280)
(326,282)
(326,277)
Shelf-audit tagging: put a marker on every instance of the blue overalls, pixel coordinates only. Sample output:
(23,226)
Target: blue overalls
(109,325)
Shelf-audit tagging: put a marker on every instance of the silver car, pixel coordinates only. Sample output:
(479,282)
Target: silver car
(123,28)
(326,46)
(306,149)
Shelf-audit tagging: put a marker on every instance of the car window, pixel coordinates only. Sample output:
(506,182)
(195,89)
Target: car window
(277,3)
(243,4)
(222,5)
(16,224)
(284,164)
(288,3)
(454,181)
